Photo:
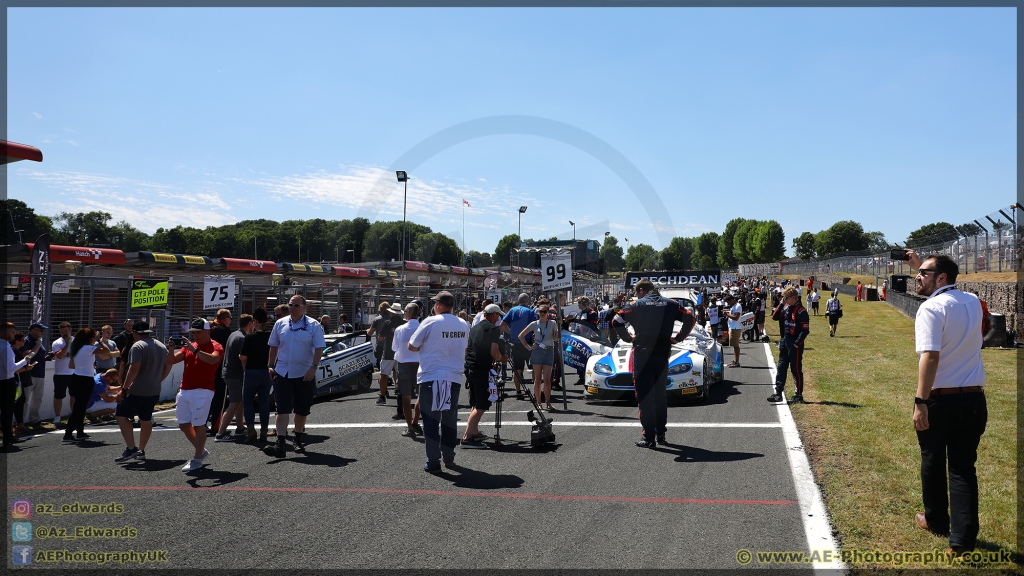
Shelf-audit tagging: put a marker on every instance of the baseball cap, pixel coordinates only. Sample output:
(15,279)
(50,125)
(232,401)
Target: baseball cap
(142,327)
(37,325)
(198,325)
(492,309)
(444,298)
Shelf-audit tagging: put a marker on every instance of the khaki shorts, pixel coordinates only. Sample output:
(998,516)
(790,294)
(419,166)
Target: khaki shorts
(734,338)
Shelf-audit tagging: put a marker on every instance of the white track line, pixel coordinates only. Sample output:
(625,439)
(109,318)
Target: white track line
(484,422)
(817,527)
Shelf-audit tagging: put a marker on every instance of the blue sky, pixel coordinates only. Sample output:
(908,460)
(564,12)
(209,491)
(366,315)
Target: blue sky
(891,117)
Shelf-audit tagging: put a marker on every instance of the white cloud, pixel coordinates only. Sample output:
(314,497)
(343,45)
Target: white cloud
(375,194)
(37,115)
(135,201)
(70,130)
(73,143)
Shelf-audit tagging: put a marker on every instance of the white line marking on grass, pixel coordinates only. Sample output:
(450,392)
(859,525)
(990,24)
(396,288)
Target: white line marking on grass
(817,527)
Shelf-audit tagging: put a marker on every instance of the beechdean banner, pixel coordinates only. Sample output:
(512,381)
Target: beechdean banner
(40,270)
(149,293)
(677,278)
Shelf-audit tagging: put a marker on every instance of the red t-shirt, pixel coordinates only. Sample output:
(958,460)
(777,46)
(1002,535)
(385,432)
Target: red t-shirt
(199,374)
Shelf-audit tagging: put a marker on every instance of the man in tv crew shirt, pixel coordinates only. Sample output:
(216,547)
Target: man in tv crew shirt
(441,341)
(147,367)
(296,345)
(796,325)
(653,318)
(950,412)
(202,359)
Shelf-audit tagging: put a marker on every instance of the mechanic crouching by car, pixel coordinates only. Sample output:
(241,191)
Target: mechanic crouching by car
(653,318)
(796,326)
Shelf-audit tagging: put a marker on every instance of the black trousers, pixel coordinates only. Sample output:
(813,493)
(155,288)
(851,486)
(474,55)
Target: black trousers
(8,389)
(791,357)
(81,390)
(650,377)
(955,425)
(217,404)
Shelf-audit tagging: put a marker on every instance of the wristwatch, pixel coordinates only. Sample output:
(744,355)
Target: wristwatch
(920,400)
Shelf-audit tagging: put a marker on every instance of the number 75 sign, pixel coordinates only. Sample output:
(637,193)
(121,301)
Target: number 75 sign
(556,272)
(218,292)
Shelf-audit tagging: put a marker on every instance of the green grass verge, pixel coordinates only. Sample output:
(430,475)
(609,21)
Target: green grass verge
(858,433)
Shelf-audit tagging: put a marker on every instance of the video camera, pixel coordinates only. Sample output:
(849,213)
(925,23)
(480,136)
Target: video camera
(540,433)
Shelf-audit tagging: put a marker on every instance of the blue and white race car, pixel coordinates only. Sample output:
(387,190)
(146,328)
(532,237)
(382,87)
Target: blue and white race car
(347,364)
(695,364)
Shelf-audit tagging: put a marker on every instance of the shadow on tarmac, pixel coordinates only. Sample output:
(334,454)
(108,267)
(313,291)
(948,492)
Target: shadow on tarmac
(315,459)
(218,477)
(480,480)
(520,447)
(839,404)
(153,465)
(691,454)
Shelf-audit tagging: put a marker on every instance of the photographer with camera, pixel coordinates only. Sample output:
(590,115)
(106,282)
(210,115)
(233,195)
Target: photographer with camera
(202,359)
(9,379)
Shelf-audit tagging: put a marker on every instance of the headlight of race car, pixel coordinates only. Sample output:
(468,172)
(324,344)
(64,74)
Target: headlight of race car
(602,369)
(680,368)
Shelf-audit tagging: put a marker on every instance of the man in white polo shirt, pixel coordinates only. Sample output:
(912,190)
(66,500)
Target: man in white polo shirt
(407,364)
(441,341)
(296,345)
(950,412)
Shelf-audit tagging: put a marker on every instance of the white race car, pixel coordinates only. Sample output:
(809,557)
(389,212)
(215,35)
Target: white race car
(694,366)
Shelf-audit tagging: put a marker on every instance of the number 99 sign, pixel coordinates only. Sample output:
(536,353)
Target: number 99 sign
(556,272)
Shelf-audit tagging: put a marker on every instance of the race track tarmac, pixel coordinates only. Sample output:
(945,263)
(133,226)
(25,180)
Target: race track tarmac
(359,497)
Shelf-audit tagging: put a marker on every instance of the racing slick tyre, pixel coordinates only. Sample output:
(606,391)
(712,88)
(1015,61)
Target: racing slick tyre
(748,335)
(363,381)
(707,382)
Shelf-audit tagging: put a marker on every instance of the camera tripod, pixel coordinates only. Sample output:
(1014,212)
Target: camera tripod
(541,433)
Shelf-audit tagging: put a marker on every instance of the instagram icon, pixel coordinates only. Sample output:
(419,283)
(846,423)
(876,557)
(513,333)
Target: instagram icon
(21,508)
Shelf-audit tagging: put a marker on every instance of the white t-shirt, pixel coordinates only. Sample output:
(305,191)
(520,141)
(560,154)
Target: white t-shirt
(85,361)
(442,340)
(950,323)
(400,342)
(735,324)
(61,365)
(816,296)
(713,315)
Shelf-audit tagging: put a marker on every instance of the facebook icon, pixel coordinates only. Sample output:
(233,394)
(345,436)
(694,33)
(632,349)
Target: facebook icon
(21,555)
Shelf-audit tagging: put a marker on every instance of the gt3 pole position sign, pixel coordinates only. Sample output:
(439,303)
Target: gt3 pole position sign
(218,292)
(556,272)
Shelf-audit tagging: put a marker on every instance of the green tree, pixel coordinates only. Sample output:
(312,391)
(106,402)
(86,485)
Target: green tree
(705,245)
(803,246)
(18,216)
(823,245)
(676,256)
(437,248)
(503,251)
(82,228)
(480,259)
(726,257)
(876,241)
(767,242)
(936,233)
(847,236)
(611,254)
(641,257)
(127,238)
(970,229)
(740,245)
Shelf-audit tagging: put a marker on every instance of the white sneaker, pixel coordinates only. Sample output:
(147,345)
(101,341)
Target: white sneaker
(205,454)
(193,464)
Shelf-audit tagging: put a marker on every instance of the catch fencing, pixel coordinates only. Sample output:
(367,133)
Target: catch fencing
(987,244)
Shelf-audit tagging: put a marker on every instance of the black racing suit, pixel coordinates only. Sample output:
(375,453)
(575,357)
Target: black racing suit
(653,318)
(796,325)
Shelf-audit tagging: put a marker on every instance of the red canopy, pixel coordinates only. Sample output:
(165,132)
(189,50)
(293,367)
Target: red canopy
(85,254)
(14,152)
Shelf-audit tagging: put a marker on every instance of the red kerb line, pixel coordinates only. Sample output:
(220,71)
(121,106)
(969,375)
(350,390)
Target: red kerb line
(465,494)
